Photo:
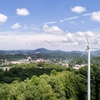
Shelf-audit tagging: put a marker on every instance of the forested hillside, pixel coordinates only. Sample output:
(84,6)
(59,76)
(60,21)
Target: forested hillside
(51,82)
(48,80)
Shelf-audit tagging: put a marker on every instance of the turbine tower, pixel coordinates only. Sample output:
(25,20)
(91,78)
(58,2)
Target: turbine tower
(89,82)
(89,76)
(88,72)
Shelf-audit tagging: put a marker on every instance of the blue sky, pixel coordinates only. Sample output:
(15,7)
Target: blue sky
(52,24)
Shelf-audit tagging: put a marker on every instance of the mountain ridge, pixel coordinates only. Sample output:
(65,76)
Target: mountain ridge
(44,50)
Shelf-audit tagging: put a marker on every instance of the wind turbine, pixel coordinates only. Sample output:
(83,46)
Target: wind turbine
(88,79)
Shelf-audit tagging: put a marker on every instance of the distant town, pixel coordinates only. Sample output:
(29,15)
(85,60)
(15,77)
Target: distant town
(67,59)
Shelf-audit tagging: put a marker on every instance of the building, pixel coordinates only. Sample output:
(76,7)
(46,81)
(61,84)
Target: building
(6,68)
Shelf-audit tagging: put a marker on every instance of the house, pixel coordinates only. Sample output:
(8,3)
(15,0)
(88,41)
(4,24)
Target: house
(79,66)
(6,68)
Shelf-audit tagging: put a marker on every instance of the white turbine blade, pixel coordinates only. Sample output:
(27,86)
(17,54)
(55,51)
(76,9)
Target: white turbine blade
(95,48)
(86,38)
(83,52)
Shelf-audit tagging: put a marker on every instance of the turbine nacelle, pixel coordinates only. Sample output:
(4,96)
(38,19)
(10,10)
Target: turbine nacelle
(88,47)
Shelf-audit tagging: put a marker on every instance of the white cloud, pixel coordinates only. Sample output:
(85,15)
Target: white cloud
(68,38)
(52,22)
(78,39)
(87,14)
(97,41)
(3,18)
(89,33)
(61,21)
(96,16)
(79,34)
(70,18)
(82,34)
(81,38)
(52,30)
(22,12)
(78,9)
(28,41)
(16,26)
(67,41)
(73,22)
